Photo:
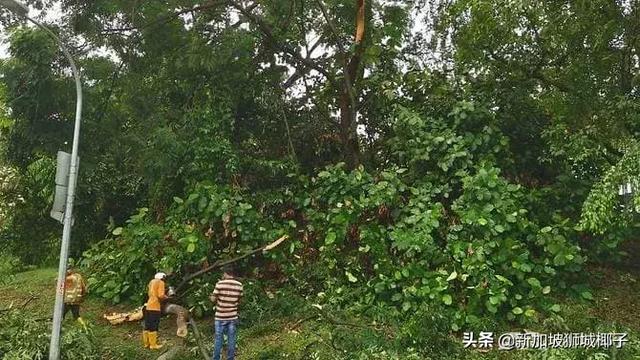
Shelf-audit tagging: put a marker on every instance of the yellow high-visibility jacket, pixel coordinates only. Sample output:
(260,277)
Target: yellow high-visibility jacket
(156,294)
(74,289)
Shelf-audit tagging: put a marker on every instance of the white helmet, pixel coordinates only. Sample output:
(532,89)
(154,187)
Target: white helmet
(160,276)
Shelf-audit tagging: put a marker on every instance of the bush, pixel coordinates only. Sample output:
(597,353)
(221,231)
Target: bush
(23,337)
(9,264)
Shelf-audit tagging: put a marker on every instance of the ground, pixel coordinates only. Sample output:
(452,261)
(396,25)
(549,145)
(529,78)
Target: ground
(34,291)
(616,300)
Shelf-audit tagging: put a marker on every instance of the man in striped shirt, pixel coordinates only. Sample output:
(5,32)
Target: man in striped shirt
(226,297)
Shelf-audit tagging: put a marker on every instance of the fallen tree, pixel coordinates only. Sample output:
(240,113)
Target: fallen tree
(183,317)
(218,264)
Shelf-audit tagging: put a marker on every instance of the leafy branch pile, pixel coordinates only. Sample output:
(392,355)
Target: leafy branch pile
(458,236)
(24,337)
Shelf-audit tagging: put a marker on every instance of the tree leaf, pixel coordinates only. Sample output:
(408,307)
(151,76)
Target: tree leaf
(517,310)
(406,306)
(330,239)
(453,276)
(534,282)
(447,299)
(587,295)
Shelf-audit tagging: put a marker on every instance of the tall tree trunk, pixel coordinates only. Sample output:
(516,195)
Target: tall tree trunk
(347,130)
(348,100)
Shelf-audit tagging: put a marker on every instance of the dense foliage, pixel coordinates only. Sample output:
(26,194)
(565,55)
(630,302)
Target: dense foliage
(458,157)
(457,234)
(25,337)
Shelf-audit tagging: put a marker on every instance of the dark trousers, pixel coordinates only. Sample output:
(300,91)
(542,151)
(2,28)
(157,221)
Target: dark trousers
(151,320)
(75,310)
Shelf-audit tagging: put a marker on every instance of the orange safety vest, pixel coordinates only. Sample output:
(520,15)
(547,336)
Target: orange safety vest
(156,293)
(74,289)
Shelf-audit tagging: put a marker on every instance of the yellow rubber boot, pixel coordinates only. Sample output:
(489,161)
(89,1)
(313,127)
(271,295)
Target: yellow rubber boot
(145,338)
(153,340)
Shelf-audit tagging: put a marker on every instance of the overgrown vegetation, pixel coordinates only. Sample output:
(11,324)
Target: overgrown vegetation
(455,163)
(279,323)
(24,337)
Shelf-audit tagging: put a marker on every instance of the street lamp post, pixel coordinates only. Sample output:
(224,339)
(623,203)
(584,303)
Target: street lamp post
(54,349)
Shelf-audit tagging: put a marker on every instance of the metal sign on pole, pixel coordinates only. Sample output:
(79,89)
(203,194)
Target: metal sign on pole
(54,346)
(63,165)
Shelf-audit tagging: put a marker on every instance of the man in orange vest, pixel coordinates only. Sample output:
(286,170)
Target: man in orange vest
(75,289)
(153,311)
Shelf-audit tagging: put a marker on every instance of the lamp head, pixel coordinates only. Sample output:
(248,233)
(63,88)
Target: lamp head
(15,7)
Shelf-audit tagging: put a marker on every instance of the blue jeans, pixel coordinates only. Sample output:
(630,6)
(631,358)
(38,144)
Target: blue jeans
(229,327)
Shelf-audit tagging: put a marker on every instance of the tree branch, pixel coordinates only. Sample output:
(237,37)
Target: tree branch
(267,31)
(164,19)
(219,264)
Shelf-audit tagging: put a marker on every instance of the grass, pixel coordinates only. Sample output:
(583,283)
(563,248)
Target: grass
(36,289)
(615,305)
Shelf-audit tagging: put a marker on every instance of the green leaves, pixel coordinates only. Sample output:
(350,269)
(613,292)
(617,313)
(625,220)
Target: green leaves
(586,295)
(447,299)
(517,310)
(452,276)
(535,283)
(458,194)
(330,238)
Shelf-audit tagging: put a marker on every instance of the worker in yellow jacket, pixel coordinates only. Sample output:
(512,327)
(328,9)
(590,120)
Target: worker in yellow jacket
(153,311)
(75,290)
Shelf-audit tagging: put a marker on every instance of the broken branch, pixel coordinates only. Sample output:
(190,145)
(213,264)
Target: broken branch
(219,264)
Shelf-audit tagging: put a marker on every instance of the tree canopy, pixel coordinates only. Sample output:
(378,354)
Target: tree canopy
(461,153)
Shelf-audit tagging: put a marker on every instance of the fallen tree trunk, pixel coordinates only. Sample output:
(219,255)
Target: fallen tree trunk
(174,351)
(182,316)
(171,353)
(218,264)
(198,337)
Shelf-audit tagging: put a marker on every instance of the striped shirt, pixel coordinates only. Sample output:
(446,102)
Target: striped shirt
(227,294)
